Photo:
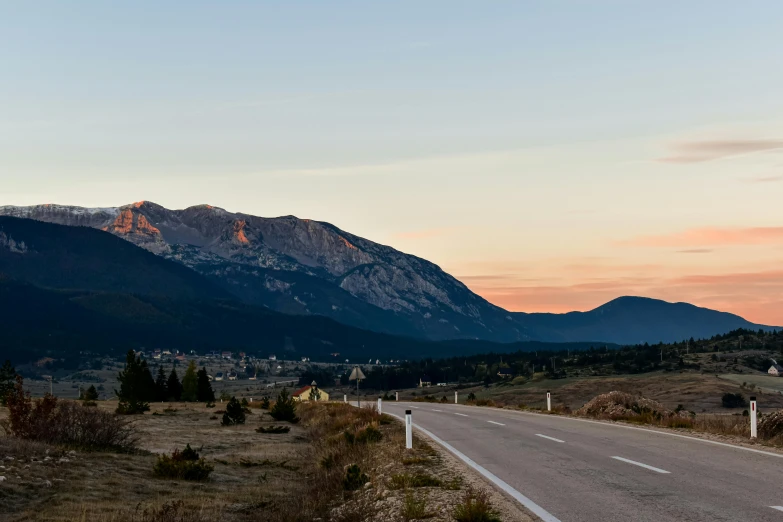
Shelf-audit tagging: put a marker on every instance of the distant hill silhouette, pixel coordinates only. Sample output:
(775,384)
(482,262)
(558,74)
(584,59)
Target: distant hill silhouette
(632,320)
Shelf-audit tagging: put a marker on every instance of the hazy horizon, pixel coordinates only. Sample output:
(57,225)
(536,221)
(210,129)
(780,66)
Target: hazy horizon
(551,156)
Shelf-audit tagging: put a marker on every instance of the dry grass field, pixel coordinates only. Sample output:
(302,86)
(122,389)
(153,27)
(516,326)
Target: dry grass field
(272,477)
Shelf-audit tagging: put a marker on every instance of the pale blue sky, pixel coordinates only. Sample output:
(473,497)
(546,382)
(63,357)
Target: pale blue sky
(495,138)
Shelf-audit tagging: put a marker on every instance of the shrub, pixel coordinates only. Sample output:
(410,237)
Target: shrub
(413,508)
(183,465)
(475,507)
(64,422)
(284,409)
(210,404)
(235,414)
(168,512)
(733,400)
(414,480)
(471,396)
(369,435)
(265,403)
(274,429)
(354,478)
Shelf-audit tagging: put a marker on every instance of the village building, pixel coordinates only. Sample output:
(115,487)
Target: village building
(776,370)
(307,393)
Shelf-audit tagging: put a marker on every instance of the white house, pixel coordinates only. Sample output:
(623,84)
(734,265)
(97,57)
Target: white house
(776,370)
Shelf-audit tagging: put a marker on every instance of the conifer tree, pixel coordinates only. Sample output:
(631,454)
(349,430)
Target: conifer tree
(160,385)
(173,387)
(204,392)
(190,384)
(90,394)
(7,380)
(133,386)
(234,413)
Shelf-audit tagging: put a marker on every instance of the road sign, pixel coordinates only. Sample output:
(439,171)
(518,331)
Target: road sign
(356,374)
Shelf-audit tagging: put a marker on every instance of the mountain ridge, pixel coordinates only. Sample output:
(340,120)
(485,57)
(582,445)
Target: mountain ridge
(308,267)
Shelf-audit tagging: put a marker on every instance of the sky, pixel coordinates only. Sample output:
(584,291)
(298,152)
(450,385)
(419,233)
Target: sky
(552,155)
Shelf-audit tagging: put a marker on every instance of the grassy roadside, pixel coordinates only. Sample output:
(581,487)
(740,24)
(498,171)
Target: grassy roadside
(338,463)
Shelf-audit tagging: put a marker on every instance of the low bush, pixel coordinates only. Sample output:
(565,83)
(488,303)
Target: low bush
(168,512)
(733,400)
(183,465)
(369,435)
(471,396)
(274,429)
(354,478)
(485,402)
(414,508)
(265,403)
(475,507)
(414,480)
(64,422)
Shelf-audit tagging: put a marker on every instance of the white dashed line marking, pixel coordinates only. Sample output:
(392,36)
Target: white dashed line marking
(461,414)
(549,438)
(645,466)
(493,422)
(439,411)
(779,508)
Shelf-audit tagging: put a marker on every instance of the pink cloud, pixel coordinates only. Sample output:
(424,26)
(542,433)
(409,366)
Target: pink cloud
(706,237)
(708,150)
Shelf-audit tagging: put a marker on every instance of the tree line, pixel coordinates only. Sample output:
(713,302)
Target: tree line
(138,387)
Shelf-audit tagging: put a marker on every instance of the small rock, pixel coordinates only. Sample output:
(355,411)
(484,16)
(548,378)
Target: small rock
(9,458)
(2,479)
(47,459)
(63,460)
(47,484)
(59,480)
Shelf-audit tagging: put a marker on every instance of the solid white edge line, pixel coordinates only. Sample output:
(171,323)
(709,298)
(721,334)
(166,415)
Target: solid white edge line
(461,414)
(628,461)
(499,424)
(540,512)
(548,437)
(779,508)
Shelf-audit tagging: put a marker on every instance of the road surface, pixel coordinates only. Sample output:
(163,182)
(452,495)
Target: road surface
(576,470)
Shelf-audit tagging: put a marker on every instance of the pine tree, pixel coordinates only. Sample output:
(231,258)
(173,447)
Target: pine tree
(133,386)
(91,394)
(7,380)
(234,413)
(173,387)
(160,385)
(284,408)
(149,389)
(204,392)
(190,384)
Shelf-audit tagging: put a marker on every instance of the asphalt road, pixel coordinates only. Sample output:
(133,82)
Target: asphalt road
(578,470)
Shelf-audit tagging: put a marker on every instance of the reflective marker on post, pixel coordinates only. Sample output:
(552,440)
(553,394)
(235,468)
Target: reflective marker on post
(380,408)
(753,417)
(548,401)
(408,430)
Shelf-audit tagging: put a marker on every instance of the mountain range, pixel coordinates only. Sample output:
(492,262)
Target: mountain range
(310,268)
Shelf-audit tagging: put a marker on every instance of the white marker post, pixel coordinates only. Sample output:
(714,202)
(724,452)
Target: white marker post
(548,401)
(397,396)
(456,401)
(380,406)
(753,417)
(408,430)
(345,399)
